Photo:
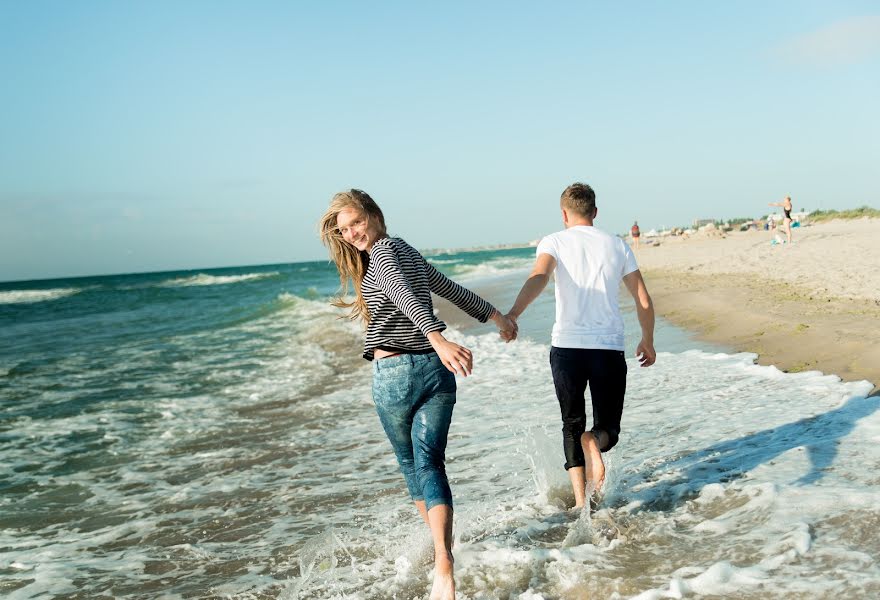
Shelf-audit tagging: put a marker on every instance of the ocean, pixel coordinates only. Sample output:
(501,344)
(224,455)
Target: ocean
(211,434)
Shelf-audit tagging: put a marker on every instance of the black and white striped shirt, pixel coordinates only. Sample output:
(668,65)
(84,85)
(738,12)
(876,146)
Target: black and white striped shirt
(397,288)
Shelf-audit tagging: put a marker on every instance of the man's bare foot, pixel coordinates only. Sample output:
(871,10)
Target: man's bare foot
(594,466)
(444,583)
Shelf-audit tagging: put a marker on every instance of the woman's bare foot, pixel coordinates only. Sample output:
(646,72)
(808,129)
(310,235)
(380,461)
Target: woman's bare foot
(594,467)
(444,582)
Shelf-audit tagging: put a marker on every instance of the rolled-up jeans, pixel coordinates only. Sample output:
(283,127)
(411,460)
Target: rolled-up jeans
(414,396)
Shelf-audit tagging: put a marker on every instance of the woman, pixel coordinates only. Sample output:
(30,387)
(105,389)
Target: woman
(413,364)
(786,209)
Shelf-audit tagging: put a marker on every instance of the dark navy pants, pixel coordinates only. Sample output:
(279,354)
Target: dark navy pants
(605,373)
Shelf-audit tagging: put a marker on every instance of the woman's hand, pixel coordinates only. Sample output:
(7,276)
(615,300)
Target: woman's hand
(457,359)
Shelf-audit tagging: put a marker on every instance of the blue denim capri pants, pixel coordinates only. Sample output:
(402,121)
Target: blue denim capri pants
(414,396)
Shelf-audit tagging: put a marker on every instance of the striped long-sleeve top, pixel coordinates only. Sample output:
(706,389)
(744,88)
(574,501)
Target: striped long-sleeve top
(397,288)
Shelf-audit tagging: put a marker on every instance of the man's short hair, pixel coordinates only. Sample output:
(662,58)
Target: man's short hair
(579,198)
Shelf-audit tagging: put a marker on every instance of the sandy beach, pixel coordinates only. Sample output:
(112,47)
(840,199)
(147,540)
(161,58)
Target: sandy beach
(814,305)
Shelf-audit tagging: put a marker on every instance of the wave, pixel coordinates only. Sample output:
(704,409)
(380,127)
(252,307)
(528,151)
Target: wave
(31,296)
(491,268)
(203,279)
(722,483)
(204,462)
(311,308)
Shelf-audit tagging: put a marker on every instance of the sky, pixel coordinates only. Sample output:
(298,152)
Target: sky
(147,136)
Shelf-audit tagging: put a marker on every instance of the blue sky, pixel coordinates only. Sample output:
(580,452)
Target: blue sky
(140,136)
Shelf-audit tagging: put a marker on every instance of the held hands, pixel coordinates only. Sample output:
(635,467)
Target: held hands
(507,327)
(646,353)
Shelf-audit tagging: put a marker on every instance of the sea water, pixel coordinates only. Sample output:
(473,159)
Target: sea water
(211,434)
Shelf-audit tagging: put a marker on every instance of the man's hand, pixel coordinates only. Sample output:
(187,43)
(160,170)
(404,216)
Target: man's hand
(645,310)
(646,353)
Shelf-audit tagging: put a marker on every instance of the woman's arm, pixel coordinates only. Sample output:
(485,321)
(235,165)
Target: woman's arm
(459,295)
(391,280)
(469,302)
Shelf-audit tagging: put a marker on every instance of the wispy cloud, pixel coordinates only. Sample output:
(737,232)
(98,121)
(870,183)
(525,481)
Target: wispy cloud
(844,42)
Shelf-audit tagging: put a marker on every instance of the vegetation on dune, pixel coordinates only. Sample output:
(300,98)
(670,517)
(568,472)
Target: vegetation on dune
(732,222)
(853,213)
(817,216)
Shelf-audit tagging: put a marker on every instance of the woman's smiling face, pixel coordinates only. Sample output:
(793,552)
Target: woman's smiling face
(357,229)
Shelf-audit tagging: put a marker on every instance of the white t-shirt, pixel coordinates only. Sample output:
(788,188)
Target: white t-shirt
(590,264)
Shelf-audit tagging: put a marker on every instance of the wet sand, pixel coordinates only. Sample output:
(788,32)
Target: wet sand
(814,305)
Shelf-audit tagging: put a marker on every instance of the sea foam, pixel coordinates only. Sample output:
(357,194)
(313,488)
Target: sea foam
(712,490)
(30,296)
(204,279)
(249,462)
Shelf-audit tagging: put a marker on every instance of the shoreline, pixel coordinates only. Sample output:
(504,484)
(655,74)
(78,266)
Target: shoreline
(814,306)
(786,326)
(810,307)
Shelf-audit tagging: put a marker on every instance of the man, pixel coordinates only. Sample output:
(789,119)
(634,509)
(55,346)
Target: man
(587,340)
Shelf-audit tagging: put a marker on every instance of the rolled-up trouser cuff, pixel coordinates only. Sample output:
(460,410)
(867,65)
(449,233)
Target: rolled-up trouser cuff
(429,504)
(576,459)
(613,437)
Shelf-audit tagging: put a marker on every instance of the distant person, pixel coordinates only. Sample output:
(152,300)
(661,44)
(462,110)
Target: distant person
(413,364)
(786,209)
(587,339)
(774,233)
(636,233)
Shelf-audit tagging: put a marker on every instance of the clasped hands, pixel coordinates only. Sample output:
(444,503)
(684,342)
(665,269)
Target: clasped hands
(507,326)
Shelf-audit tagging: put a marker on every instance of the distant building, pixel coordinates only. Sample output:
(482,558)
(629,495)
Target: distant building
(700,222)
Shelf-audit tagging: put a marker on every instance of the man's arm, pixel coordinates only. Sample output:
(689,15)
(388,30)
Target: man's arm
(645,309)
(534,285)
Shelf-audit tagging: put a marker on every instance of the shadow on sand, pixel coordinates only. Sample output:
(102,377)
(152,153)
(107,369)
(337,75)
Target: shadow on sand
(674,482)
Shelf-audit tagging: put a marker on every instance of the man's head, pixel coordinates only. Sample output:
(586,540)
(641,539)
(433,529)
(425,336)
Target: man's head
(578,203)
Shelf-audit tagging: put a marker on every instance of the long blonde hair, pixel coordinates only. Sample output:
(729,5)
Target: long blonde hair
(350,262)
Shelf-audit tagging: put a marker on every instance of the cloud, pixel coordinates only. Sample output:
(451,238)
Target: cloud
(841,43)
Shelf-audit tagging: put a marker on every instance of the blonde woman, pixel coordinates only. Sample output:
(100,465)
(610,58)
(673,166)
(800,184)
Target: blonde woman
(413,364)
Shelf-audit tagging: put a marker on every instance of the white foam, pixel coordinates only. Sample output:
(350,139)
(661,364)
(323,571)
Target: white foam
(31,296)
(490,268)
(204,279)
(702,472)
(255,466)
